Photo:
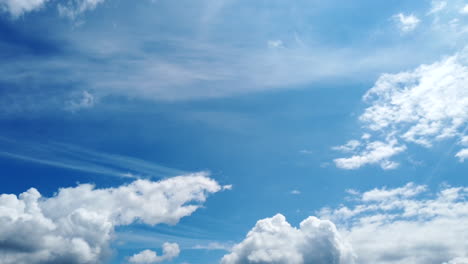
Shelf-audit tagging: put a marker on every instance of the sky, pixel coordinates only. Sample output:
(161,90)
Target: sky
(233,132)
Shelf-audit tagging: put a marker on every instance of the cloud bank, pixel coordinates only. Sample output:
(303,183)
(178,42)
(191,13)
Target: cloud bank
(423,106)
(402,225)
(406,225)
(77,224)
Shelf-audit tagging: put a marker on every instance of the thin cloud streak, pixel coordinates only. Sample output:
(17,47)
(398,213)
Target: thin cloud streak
(72,157)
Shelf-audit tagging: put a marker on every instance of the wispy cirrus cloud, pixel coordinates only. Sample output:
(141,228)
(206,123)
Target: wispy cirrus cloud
(72,157)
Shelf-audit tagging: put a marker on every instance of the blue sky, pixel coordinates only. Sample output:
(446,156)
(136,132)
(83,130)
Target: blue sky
(297,108)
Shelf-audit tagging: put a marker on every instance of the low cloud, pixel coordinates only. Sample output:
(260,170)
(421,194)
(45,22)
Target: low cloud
(170,251)
(400,225)
(274,240)
(423,106)
(77,224)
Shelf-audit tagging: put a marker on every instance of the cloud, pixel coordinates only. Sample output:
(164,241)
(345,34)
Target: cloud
(77,224)
(70,8)
(375,152)
(274,240)
(423,106)
(437,6)
(405,225)
(406,23)
(74,8)
(170,251)
(72,157)
(462,154)
(464,10)
(84,100)
(18,7)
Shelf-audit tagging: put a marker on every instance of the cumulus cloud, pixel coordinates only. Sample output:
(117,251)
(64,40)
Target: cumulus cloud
(18,7)
(405,225)
(423,106)
(170,251)
(406,23)
(77,224)
(274,240)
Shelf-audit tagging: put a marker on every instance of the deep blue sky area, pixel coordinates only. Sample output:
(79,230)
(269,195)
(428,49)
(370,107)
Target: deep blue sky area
(260,95)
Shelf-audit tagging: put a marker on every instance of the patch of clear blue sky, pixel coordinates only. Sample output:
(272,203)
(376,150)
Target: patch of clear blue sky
(251,134)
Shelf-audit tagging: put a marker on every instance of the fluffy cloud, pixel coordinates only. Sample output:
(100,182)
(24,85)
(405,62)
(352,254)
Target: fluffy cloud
(274,240)
(19,7)
(405,225)
(170,251)
(406,23)
(422,106)
(77,224)
(402,225)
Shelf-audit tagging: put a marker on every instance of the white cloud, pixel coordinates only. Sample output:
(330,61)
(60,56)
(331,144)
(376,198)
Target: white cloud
(71,8)
(437,6)
(384,225)
(19,7)
(406,23)
(422,106)
(464,10)
(170,251)
(275,43)
(74,8)
(462,154)
(77,224)
(274,240)
(406,225)
(295,192)
(375,152)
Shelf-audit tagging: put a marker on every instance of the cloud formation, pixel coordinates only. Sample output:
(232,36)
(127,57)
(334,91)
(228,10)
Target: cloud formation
(70,8)
(400,225)
(18,7)
(406,23)
(274,240)
(423,106)
(77,224)
(405,225)
(170,251)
